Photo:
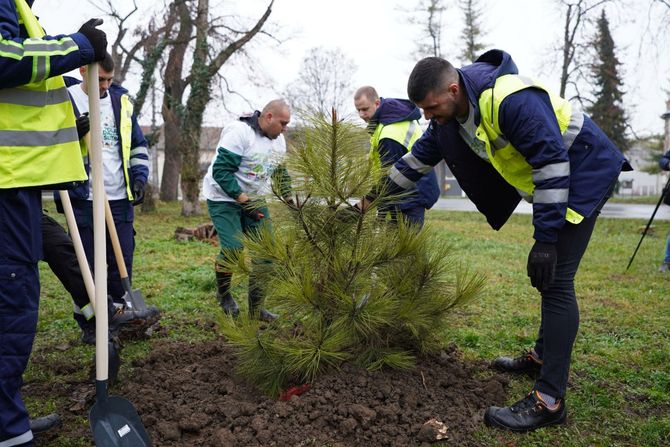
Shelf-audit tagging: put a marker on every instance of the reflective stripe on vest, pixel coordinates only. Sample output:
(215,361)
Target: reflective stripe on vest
(38,137)
(507,160)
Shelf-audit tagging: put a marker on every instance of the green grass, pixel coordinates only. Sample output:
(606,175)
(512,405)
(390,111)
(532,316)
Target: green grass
(619,393)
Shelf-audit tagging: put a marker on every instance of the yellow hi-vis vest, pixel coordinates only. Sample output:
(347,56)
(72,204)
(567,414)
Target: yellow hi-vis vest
(503,156)
(38,137)
(404,132)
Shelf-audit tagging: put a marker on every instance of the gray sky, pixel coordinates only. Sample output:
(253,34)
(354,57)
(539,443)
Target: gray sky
(373,34)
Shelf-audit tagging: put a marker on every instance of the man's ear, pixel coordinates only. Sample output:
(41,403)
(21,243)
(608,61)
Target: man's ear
(82,70)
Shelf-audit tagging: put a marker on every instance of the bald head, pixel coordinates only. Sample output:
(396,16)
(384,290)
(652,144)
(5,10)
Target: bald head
(274,118)
(366,101)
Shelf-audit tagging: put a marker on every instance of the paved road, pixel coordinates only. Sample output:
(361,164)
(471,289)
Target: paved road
(614,210)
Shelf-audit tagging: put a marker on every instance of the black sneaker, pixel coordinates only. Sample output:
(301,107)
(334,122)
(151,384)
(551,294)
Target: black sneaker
(528,414)
(525,363)
(44,423)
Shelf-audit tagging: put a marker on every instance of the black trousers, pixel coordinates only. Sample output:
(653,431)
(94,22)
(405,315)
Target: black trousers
(58,252)
(560,312)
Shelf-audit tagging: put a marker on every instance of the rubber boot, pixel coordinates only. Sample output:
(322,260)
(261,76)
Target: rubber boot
(255,300)
(226,300)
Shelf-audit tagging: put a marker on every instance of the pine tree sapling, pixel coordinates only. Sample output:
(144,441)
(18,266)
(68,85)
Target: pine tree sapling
(347,289)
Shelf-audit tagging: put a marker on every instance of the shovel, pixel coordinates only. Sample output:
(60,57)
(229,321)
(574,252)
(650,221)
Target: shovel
(114,421)
(133,298)
(114,357)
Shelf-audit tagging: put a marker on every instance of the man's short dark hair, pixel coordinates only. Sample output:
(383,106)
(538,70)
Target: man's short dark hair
(107,63)
(428,75)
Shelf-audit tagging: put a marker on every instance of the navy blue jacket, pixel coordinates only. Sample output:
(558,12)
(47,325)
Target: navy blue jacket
(137,172)
(529,123)
(391,111)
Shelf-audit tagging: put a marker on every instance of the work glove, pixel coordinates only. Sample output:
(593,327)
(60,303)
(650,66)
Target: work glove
(83,125)
(96,37)
(252,211)
(138,192)
(542,265)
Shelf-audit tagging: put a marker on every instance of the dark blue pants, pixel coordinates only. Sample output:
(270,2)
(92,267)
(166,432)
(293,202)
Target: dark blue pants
(20,249)
(123,213)
(414,215)
(560,312)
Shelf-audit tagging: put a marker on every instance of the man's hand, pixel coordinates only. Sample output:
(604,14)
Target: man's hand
(252,211)
(138,192)
(83,125)
(542,265)
(96,37)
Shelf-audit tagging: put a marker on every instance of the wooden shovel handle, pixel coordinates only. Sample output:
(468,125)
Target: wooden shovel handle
(114,237)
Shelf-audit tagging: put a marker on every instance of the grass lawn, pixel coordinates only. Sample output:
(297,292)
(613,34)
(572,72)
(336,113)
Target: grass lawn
(619,392)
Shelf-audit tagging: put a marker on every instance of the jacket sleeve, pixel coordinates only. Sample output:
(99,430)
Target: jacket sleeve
(24,60)
(529,123)
(223,171)
(664,161)
(281,181)
(139,154)
(412,166)
(390,151)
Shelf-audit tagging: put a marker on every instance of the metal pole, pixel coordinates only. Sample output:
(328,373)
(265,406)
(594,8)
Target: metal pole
(644,233)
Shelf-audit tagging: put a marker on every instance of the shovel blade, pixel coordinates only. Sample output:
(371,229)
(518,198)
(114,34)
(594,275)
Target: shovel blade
(115,423)
(135,299)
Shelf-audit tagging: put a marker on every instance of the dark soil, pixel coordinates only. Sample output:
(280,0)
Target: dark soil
(189,395)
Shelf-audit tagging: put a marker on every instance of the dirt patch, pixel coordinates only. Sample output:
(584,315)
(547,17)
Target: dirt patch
(189,395)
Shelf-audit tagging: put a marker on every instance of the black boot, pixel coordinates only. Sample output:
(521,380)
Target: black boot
(255,300)
(226,300)
(526,363)
(44,423)
(528,414)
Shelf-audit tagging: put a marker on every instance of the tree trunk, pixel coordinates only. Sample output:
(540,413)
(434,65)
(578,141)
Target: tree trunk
(173,160)
(149,204)
(172,109)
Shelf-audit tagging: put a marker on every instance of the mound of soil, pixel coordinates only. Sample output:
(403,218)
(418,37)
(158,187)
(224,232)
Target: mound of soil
(189,395)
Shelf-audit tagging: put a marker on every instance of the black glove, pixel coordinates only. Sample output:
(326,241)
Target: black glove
(252,211)
(138,192)
(96,37)
(83,125)
(542,265)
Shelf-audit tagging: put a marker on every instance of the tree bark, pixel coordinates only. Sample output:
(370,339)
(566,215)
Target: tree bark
(172,109)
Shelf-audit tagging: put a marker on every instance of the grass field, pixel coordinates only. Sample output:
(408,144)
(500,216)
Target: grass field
(619,392)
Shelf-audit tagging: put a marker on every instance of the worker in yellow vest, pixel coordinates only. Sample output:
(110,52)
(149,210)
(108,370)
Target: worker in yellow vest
(40,148)
(394,127)
(504,137)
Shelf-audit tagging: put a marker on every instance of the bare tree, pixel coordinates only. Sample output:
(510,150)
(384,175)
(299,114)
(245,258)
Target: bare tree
(472,31)
(427,16)
(215,43)
(324,82)
(144,48)
(574,66)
